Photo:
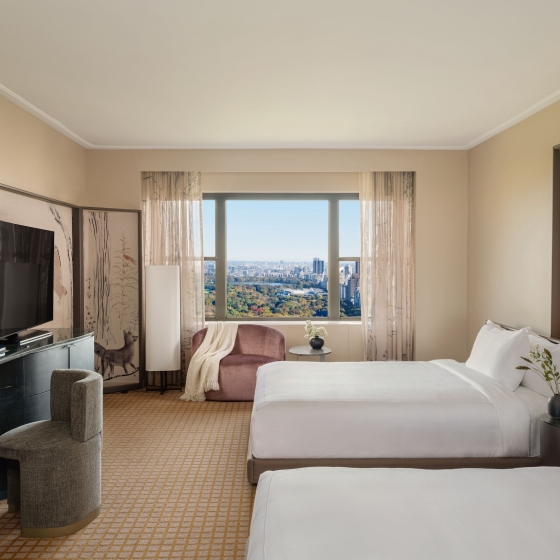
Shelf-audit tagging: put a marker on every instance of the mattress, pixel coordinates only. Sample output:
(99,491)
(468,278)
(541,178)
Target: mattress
(391,514)
(389,409)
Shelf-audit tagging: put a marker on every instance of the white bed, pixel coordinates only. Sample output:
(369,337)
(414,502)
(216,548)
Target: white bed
(438,409)
(391,514)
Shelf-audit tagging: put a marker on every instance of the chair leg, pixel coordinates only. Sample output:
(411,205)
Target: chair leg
(14,486)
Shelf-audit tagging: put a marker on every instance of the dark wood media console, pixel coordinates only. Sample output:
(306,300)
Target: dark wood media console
(25,377)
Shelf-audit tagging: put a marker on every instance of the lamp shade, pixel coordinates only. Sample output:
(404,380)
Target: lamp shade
(163,318)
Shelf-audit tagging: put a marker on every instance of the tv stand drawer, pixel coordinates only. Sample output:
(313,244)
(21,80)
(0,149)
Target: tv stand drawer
(38,368)
(11,375)
(37,407)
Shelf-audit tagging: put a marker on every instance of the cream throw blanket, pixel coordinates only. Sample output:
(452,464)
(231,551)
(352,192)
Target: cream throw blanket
(202,374)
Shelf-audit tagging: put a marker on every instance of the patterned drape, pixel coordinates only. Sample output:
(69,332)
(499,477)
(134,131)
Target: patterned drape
(172,235)
(387,264)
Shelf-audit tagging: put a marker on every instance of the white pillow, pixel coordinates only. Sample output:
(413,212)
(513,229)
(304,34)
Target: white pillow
(497,352)
(533,380)
(535,339)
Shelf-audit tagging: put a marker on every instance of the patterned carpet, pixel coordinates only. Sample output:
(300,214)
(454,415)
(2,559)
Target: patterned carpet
(174,485)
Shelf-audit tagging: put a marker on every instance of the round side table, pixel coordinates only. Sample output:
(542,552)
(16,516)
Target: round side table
(550,441)
(308,351)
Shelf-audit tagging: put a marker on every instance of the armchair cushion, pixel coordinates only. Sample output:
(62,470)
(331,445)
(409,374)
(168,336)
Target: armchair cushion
(35,440)
(244,363)
(237,377)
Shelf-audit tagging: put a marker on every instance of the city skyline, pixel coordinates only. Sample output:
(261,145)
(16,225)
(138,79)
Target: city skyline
(256,288)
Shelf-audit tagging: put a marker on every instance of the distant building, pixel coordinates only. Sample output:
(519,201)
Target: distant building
(349,284)
(352,286)
(318,266)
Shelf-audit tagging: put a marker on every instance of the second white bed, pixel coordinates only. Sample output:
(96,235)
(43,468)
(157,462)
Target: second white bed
(395,514)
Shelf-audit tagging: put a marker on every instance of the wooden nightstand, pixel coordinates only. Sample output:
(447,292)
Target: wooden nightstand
(550,441)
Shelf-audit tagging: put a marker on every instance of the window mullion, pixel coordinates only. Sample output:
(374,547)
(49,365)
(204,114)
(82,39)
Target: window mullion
(221,255)
(333,267)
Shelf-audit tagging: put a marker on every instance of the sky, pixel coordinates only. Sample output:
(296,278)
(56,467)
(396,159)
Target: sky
(288,230)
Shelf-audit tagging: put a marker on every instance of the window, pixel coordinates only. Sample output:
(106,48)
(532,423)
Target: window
(270,257)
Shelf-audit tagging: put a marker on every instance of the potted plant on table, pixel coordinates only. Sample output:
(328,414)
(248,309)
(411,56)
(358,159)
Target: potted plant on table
(541,362)
(315,335)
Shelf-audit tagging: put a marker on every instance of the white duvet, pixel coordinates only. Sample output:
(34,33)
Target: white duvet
(396,514)
(389,409)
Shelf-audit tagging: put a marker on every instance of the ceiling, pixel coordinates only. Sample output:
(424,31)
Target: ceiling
(280,74)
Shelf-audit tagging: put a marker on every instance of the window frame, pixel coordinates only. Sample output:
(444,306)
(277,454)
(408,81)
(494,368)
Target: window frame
(220,253)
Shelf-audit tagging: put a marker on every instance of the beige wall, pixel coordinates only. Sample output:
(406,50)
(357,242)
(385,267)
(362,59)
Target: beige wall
(344,339)
(510,225)
(113,180)
(36,158)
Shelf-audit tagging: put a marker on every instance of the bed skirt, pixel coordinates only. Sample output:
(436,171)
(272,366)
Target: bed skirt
(255,467)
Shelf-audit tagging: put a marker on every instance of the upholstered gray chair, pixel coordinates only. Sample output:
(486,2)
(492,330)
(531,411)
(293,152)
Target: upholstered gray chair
(54,466)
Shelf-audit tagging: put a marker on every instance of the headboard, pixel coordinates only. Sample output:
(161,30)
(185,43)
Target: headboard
(508,328)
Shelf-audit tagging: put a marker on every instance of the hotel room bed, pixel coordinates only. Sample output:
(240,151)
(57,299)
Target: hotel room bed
(438,414)
(391,514)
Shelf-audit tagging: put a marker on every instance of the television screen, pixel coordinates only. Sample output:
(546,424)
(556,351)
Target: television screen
(26,277)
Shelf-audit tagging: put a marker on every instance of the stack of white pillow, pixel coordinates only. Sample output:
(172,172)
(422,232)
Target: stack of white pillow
(497,352)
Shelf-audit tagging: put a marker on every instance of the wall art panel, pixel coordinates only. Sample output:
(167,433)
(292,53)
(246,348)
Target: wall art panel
(112,293)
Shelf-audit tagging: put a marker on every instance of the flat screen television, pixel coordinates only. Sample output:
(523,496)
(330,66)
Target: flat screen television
(26,278)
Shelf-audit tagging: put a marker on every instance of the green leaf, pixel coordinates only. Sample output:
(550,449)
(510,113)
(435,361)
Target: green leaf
(526,359)
(522,367)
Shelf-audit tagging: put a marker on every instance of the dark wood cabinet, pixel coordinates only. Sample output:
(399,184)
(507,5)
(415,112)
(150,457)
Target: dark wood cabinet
(38,367)
(550,441)
(81,354)
(11,415)
(37,407)
(25,378)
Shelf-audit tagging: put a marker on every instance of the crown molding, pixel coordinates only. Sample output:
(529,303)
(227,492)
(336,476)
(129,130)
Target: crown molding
(517,119)
(20,102)
(16,99)
(315,146)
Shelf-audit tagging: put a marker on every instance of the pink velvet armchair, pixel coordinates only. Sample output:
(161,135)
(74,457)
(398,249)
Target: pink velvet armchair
(255,345)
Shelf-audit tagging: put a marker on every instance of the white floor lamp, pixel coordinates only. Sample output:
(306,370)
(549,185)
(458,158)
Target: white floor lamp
(163,321)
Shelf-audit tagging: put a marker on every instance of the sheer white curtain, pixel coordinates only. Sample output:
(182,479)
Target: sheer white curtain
(387,264)
(172,235)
